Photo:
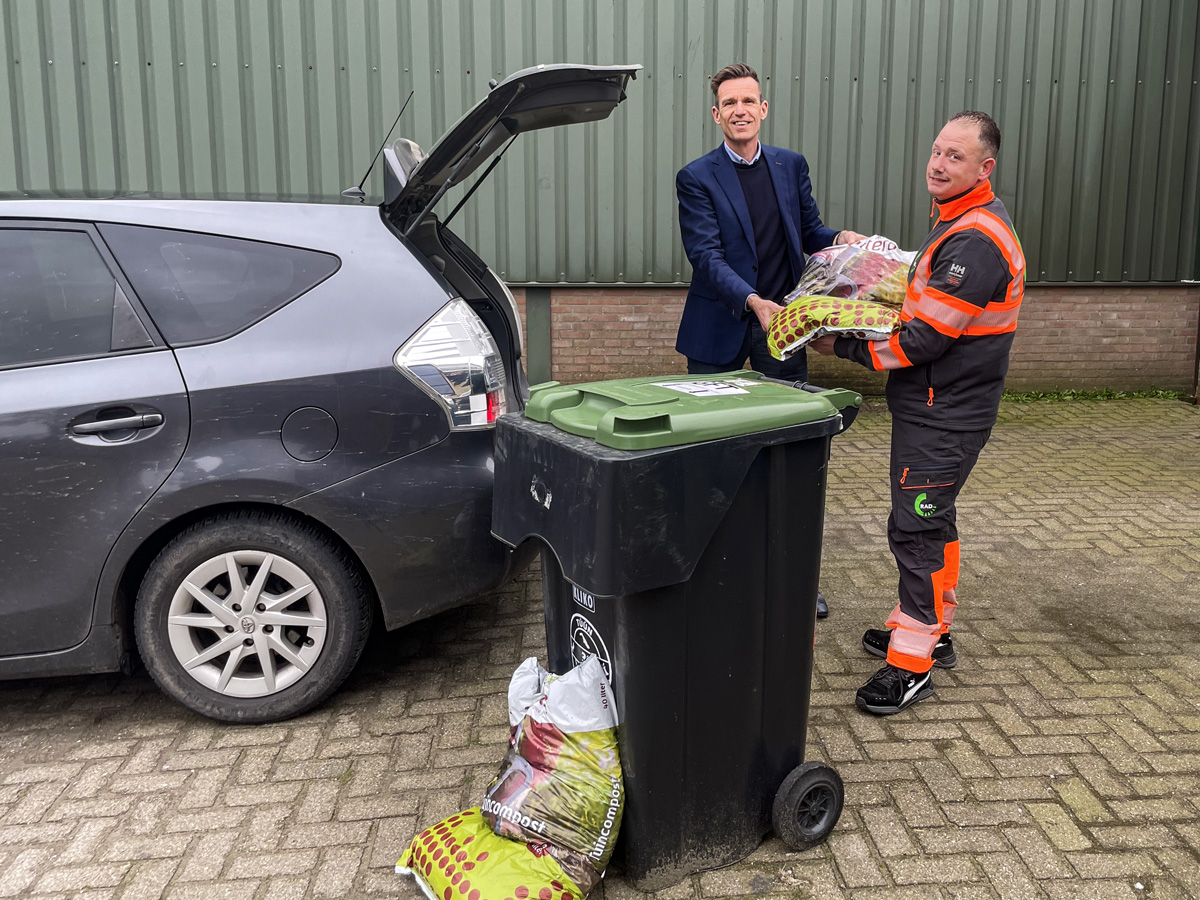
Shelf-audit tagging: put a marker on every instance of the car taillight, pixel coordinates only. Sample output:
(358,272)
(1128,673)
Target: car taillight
(454,359)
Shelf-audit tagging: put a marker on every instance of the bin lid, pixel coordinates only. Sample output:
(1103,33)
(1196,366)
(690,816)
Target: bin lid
(665,411)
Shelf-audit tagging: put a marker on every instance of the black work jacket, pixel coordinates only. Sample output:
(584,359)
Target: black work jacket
(947,362)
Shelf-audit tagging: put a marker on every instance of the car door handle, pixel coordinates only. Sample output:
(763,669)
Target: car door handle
(146,420)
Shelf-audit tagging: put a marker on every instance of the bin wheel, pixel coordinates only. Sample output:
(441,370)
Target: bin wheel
(808,805)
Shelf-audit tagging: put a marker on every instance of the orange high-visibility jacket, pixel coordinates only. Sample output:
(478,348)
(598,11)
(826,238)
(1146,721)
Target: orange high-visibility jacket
(947,362)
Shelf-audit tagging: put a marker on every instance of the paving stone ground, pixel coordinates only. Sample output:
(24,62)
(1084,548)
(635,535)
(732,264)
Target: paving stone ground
(1060,760)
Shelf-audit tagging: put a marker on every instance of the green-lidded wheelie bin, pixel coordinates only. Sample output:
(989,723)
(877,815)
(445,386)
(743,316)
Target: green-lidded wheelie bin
(681,521)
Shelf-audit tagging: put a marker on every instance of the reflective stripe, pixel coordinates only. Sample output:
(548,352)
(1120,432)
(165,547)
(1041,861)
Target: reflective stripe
(931,305)
(994,227)
(996,321)
(1000,317)
(949,582)
(921,277)
(949,605)
(946,313)
(917,664)
(912,642)
(951,555)
(888,354)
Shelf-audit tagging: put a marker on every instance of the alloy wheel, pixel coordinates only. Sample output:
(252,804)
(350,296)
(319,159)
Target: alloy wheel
(247,623)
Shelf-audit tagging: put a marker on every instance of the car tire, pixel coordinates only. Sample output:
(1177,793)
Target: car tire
(266,646)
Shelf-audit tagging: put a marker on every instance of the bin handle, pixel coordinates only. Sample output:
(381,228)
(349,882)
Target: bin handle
(845,401)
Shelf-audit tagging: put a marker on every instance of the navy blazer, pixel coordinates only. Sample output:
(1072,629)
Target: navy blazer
(718,239)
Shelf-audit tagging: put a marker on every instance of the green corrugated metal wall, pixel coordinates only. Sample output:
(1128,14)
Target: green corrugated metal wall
(1097,99)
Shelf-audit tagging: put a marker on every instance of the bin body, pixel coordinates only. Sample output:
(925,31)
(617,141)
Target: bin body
(691,572)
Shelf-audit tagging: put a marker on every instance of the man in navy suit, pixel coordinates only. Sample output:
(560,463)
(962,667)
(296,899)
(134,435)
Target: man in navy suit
(747,217)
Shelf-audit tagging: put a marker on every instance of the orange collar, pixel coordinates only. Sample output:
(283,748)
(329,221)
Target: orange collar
(945,210)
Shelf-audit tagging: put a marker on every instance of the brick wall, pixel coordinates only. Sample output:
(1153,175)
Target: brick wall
(1125,338)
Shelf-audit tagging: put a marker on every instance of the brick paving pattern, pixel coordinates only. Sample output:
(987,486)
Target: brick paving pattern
(1060,760)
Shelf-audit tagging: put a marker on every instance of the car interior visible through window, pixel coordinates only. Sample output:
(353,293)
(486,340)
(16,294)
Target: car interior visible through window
(203,287)
(56,297)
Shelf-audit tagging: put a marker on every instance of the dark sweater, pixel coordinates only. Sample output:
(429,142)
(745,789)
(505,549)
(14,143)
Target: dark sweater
(775,277)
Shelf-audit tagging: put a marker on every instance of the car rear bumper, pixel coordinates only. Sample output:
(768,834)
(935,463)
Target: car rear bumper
(421,526)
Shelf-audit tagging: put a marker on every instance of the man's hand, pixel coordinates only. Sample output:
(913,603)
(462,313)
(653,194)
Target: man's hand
(848,237)
(762,308)
(823,345)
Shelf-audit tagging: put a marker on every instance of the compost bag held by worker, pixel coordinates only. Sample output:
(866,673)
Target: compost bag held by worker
(873,269)
(805,319)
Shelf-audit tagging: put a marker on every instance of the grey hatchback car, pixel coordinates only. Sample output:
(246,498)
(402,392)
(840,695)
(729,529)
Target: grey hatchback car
(239,431)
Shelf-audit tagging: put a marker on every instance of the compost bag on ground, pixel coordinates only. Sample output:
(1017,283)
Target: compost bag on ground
(805,319)
(873,269)
(460,858)
(560,783)
(549,820)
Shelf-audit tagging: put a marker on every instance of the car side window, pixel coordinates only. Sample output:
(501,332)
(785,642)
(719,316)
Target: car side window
(57,297)
(203,287)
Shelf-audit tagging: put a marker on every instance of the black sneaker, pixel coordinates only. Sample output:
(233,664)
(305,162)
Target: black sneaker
(875,641)
(890,690)
(822,606)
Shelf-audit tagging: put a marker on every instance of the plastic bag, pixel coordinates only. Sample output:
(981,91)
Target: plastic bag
(461,858)
(808,318)
(560,783)
(873,269)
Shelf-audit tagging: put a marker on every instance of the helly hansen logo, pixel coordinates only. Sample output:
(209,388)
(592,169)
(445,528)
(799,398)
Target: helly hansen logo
(957,274)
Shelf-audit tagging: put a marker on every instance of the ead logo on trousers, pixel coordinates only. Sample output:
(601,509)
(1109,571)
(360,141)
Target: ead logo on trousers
(922,508)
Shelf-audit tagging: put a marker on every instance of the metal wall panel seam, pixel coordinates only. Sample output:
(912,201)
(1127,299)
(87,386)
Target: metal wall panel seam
(1191,191)
(1165,249)
(1147,118)
(1086,184)
(1118,138)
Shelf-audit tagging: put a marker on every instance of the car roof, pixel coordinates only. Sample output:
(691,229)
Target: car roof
(335,226)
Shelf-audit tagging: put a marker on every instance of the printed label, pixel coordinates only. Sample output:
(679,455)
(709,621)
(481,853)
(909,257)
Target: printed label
(610,815)
(923,508)
(586,641)
(877,243)
(583,598)
(702,388)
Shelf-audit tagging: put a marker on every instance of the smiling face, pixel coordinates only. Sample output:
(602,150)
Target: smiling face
(740,111)
(958,161)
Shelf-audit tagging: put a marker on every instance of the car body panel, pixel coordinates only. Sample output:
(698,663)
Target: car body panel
(67,497)
(411,516)
(105,649)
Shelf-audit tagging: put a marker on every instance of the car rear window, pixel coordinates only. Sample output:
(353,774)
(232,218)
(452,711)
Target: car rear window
(202,287)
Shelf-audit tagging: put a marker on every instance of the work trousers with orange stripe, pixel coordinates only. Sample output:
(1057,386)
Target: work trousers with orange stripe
(928,469)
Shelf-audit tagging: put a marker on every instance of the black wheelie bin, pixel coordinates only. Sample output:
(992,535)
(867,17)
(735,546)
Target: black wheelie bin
(681,521)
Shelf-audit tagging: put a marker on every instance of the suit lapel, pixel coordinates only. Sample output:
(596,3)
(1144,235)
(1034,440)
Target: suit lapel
(727,178)
(785,193)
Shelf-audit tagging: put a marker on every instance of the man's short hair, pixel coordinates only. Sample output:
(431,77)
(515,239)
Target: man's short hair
(734,70)
(989,132)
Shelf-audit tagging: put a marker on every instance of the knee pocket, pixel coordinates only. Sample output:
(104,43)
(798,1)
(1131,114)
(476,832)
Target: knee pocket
(923,498)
